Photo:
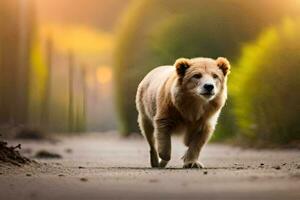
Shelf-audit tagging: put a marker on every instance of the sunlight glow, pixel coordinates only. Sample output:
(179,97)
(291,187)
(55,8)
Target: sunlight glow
(104,74)
(80,39)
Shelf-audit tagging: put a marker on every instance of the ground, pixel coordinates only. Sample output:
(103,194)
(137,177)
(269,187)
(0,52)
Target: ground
(104,166)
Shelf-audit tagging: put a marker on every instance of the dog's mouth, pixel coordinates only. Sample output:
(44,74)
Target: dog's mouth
(207,94)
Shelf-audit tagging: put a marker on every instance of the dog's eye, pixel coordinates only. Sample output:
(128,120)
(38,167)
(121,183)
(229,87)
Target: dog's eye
(215,76)
(197,76)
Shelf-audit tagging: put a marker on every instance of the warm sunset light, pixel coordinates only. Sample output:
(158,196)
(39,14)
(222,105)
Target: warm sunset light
(104,74)
(81,39)
(149,99)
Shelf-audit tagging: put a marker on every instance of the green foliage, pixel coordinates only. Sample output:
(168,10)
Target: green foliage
(266,87)
(157,32)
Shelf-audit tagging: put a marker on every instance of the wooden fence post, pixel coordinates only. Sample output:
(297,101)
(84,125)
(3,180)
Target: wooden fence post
(71,95)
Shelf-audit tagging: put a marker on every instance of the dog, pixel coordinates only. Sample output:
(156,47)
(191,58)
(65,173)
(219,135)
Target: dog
(184,98)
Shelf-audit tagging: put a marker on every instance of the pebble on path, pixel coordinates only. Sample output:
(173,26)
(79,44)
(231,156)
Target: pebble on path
(83,179)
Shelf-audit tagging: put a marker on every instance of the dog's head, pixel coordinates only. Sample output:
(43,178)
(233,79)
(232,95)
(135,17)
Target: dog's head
(202,77)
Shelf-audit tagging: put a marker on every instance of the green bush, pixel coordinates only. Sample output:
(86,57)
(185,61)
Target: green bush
(266,87)
(157,32)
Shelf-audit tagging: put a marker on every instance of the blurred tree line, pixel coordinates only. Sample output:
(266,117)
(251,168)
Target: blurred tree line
(26,64)
(154,33)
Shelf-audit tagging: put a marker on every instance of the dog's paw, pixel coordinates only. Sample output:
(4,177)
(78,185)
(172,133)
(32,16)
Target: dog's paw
(163,163)
(195,165)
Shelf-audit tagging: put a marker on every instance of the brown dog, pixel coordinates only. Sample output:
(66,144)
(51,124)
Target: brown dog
(187,98)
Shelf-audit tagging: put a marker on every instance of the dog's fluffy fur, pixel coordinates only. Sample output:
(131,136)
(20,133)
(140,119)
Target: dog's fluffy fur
(186,98)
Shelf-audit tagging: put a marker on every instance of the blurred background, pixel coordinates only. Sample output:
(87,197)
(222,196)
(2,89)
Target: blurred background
(74,66)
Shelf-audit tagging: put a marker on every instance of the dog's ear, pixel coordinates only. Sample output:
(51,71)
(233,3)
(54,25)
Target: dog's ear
(224,65)
(182,64)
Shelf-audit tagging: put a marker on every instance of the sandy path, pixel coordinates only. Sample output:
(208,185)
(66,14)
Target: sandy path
(107,167)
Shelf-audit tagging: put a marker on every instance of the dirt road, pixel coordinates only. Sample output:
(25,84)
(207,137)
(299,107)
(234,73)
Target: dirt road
(104,166)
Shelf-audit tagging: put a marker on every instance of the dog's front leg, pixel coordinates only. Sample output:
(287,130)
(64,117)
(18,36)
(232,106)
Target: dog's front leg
(196,142)
(163,129)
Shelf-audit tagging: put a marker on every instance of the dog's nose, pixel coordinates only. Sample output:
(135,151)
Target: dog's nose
(208,87)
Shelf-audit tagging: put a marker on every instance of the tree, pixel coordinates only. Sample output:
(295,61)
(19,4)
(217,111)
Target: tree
(17,27)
